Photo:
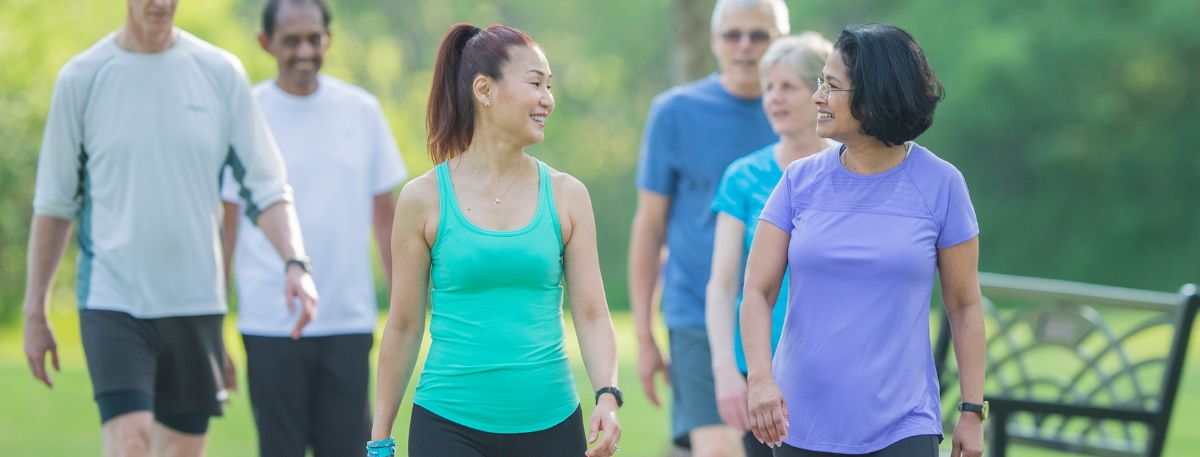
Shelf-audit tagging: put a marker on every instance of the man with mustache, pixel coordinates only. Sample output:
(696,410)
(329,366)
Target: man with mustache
(343,164)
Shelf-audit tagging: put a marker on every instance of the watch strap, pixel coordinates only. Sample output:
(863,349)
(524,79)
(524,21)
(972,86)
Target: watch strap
(616,393)
(301,262)
(977,408)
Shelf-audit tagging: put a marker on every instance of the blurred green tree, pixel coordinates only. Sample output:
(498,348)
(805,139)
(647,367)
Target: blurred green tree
(1074,121)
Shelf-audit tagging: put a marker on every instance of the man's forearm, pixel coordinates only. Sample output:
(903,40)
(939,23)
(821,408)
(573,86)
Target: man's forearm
(643,277)
(646,239)
(47,242)
(229,229)
(280,225)
(383,213)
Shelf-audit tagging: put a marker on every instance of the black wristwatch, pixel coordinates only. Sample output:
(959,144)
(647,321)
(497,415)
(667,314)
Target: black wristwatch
(981,410)
(616,393)
(301,262)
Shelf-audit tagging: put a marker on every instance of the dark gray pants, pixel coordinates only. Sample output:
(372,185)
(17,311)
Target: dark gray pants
(310,392)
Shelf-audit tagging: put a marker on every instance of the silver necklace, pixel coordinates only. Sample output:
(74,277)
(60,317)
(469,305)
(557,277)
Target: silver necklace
(496,199)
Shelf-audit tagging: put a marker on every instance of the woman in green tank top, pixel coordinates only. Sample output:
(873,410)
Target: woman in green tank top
(485,242)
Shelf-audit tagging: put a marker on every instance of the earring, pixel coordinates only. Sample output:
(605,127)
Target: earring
(487,102)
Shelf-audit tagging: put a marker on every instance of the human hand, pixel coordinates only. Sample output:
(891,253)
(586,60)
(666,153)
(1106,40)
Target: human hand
(230,370)
(300,287)
(604,430)
(650,361)
(39,339)
(767,410)
(968,436)
(731,398)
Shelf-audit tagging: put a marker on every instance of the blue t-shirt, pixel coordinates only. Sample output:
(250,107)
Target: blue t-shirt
(692,133)
(854,362)
(742,194)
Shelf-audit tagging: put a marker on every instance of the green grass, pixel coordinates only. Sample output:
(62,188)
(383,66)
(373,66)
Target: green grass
(63,421)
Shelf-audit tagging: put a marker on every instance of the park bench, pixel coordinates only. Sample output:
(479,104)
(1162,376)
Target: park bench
(1082,368)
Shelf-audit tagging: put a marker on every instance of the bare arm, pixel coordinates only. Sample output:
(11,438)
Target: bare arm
(278,222)
(384,211)
(723,286)
(764,275)
(958,266)
(645,246)
(229,233)
(405,326)
(589,311)
(47,241)
(281,227)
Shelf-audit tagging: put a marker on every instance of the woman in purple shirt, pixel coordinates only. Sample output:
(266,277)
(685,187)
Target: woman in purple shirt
(864,227)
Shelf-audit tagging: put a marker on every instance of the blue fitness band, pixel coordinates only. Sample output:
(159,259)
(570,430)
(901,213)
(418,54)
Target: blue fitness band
(381,448)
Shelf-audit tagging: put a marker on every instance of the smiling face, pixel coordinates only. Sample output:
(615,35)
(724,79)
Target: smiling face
(298,43)
(834,119)
(740,40)
(521,100)
(787,100)
(153,17)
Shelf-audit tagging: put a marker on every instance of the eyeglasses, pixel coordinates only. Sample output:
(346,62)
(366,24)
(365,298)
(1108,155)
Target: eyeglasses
(756,36)
(826,90)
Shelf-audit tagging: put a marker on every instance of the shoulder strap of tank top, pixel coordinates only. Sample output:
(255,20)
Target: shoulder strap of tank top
(547,200)
(447,204)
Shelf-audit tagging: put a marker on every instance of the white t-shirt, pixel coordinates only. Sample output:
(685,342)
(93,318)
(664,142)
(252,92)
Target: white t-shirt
(339,153)
(134,148)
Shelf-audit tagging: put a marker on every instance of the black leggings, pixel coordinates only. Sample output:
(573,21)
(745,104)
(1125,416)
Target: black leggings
(913,446)
(754,448)
(431,435)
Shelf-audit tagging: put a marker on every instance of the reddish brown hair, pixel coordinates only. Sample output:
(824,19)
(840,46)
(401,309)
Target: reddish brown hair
(466,51)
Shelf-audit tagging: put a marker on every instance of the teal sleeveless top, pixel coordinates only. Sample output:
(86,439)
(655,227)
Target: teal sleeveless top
(498,360)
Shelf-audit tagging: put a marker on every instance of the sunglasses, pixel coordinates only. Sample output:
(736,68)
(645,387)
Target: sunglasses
(756,36)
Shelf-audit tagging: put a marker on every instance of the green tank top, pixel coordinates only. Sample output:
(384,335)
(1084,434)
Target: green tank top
(498,361)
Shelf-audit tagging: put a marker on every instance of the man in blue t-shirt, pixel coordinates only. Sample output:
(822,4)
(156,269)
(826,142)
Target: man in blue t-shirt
(692,133)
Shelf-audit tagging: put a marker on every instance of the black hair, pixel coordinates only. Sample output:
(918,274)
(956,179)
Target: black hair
(895,90)
(271,13)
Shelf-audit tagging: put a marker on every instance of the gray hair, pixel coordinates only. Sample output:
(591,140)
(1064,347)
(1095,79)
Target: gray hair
(777,8)
(804,54)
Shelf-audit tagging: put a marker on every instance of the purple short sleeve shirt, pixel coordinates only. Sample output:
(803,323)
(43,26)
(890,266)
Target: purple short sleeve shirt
(854,361)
